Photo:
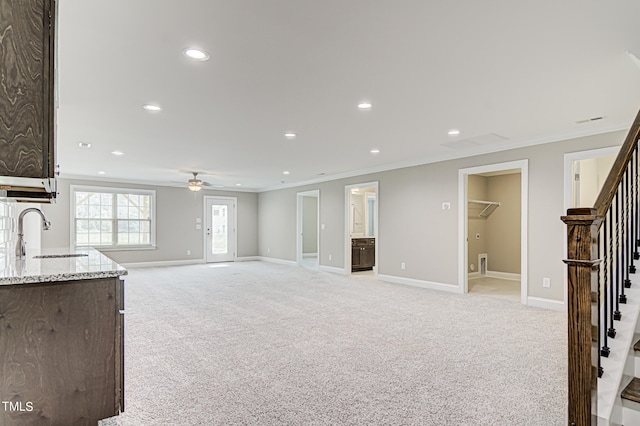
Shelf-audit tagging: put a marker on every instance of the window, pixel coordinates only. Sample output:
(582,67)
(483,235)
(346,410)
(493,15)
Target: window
(112,217)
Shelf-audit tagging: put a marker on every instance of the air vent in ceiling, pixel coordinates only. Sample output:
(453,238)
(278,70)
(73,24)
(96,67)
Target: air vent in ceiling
(589,120)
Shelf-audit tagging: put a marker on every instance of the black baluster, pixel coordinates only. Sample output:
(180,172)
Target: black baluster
(630,269)
(606,243)
(619,256)
(602,287)
(633,218)
(611,332)
(636,254)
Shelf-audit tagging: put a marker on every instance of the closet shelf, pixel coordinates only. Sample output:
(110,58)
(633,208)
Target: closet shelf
(487,207)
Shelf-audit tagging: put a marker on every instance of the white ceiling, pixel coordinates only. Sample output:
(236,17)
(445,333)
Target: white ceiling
(525,71)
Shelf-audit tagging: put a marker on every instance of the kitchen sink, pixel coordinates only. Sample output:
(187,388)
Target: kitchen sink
(58,256)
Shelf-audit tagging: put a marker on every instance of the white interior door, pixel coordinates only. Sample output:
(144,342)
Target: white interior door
(220,229)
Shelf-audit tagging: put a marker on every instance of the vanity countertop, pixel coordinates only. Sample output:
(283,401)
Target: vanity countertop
(48,266)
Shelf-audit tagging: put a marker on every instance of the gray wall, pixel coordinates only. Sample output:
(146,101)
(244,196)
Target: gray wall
(176,213)
(416,230)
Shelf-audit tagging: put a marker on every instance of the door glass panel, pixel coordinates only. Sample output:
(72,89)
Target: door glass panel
(220,229)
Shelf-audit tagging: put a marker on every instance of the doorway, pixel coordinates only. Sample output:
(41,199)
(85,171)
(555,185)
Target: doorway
(584,175)
(308,219)
(361,225)
(220,237)
(483,192)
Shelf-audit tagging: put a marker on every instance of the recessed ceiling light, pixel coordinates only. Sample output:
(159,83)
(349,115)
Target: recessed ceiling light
(375,151)
(102,172)
(453,132)
(364,105)
(238,184)
(290,135)
(196,54)
(117,153)
(286,172)
(84,145)
(151,107)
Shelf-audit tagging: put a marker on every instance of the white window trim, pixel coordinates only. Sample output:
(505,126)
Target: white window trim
(111,190)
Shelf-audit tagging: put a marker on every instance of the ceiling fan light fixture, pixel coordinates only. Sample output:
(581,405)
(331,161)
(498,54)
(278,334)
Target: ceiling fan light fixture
(194,188)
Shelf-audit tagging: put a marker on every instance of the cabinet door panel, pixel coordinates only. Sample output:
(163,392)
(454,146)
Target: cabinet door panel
(26,96)
(57,354)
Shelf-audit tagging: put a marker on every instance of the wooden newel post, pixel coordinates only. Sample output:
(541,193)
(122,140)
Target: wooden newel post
(582,250)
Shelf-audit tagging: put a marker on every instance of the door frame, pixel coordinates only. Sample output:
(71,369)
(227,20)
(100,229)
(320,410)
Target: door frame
(569,158)
(315,193)
(234,236)
(463,218)
(347,234)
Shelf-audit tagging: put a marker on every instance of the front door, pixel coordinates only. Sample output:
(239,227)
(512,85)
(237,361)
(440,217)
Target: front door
(220,229)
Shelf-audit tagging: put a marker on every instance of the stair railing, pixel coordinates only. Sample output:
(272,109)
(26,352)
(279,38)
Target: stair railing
(602,245)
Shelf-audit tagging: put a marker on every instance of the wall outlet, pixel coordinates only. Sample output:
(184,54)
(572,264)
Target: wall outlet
(322,226)
(188,252)
(546,282)
(330,257)
(198,220)
(403,266)
(198,226)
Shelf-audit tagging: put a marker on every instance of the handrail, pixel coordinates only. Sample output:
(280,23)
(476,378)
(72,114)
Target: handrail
(608,191)
(584,262)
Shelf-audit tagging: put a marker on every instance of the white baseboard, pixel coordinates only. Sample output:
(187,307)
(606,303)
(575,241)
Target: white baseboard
(503,275)
(247,258)
(309,255)
(332,269)
(551,304)
(163,263)
(420,283)
(474,275)
(278,261)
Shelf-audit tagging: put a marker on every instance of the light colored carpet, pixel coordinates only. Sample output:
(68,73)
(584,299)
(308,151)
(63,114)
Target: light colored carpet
(254,343)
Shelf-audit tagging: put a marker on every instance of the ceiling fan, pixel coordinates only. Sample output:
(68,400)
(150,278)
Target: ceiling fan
(196,184)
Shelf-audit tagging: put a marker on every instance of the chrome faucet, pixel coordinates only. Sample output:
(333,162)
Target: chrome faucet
(21,246)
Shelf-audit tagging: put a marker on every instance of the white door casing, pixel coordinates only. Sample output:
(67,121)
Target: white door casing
(463,213)
(220,233)
(347,221)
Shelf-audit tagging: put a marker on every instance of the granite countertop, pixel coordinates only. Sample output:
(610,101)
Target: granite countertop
(90,264)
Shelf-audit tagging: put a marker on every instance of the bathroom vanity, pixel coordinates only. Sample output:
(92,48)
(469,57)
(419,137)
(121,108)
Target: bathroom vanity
(363,254)
(62,338)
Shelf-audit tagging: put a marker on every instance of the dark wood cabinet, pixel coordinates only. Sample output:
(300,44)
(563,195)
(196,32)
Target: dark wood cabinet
(27,147)
(363,254)
(61,357)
